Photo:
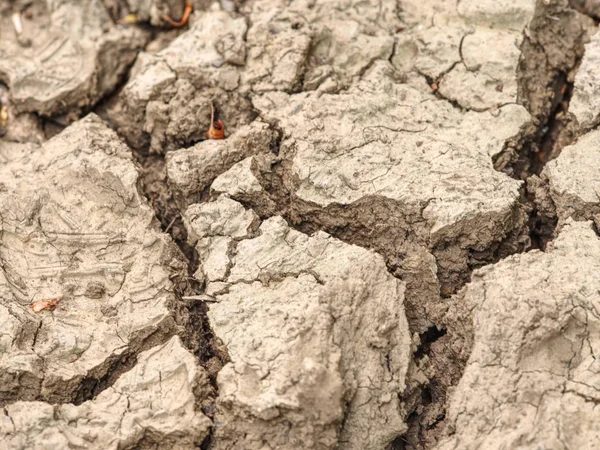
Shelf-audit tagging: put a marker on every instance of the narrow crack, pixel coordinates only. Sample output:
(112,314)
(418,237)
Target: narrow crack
(533,149)
(198,335)
(156,189)
(547,95)
(91,386)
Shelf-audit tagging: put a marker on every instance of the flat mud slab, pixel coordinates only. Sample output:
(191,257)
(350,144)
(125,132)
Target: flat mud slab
(75,227)
(393,247)
(151,406)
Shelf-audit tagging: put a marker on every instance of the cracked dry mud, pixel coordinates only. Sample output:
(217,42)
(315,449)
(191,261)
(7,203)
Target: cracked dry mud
(394,247)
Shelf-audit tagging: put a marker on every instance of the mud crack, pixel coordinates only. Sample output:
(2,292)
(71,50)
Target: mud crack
(551,52)
(556,41)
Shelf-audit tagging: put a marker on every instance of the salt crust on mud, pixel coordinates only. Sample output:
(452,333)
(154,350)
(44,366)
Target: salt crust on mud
(73,224)
(150,407)
(531,380)
(315,330)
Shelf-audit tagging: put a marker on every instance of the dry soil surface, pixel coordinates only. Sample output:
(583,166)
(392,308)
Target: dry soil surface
(395,246)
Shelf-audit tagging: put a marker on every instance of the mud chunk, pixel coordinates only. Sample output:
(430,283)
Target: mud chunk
(471,52)
(305,319)
(436,49)
(165,104)
(77,55)
(212,228)
(585,105)
(291,46)
(223,217)
(238,180)
(385,142)
(486,76)
(573,178)
(530,380)
(72,219)
(192,170)
(276,51)
(151,406)
(242,182)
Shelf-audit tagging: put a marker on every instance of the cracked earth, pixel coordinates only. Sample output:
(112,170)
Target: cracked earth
(395,247)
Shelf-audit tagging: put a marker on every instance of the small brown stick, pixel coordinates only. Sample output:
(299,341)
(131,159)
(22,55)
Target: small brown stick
(202,298)
(216,129)
(41,305)
(170,224)
(184,19)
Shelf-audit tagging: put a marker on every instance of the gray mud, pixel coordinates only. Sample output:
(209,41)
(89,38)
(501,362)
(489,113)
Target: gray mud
(395,245)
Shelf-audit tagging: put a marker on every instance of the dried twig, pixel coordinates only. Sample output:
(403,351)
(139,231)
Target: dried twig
(203,298)
(184,19)
(216,129)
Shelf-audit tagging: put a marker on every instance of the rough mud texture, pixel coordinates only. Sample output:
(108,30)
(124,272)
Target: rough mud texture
(191,171)
(153,406)
(388,166)
(273,46)
(342,148)
(165,104)
(531,379)
(393,247)
(70,56)
(323,44)
(468,49)
(585,105)
(73,225)
(323,366)
(573,181)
